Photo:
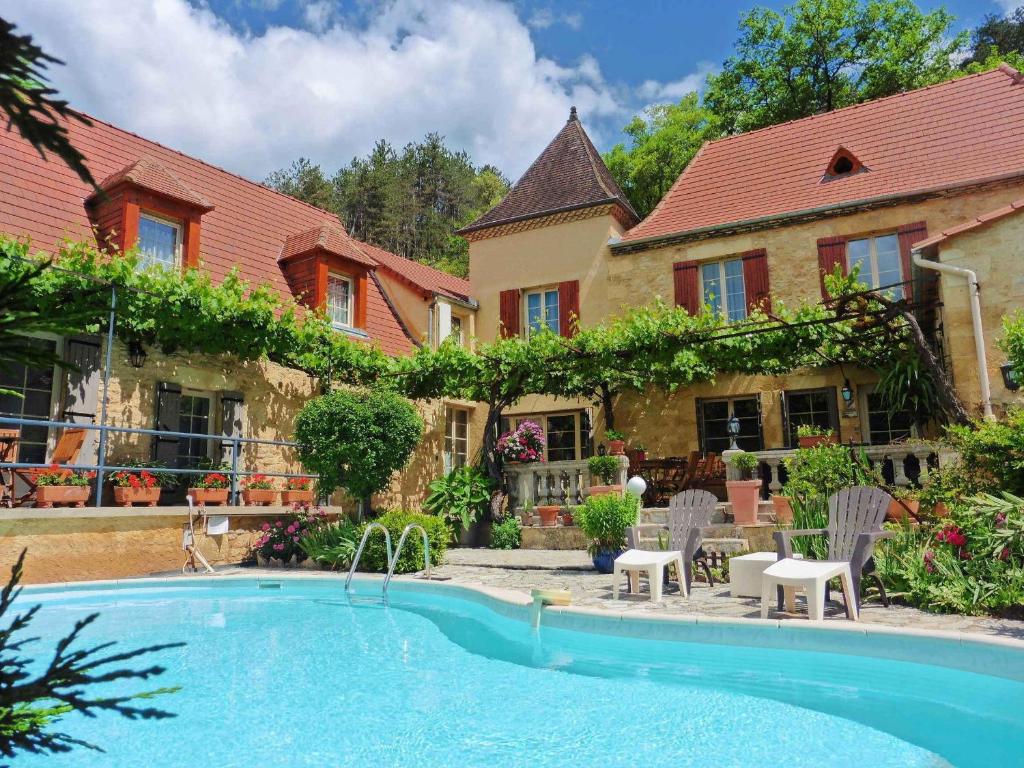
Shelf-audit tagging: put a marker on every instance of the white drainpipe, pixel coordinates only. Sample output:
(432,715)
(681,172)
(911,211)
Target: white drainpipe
(974,296)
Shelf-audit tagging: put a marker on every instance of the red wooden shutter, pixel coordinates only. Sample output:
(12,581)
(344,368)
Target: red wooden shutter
(755,279)
(831,251)
(684,274)
(909,234)
(509,308)
(569,308)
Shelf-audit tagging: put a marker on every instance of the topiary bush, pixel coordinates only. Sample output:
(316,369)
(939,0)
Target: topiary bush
(375,555)
(357,438)
(508,534)
(604,520)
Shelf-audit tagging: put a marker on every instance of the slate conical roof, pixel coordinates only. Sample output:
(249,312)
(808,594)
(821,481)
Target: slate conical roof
(569,174)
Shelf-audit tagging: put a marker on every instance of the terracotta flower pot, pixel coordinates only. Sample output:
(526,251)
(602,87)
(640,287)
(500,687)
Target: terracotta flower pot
(604,490)
(940,509)
(744,496)
(258,497)
(548,515)
(567,518)
(71,495)
(897,513)
(783,509)
(617,447)
(127,496)
(297,497)
(209,495)
(812,441)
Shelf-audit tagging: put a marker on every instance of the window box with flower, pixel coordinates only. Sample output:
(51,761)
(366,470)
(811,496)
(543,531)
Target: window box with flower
(136,488)
(57,485)
(278,542)
(297,490)
(523,445)
(259,491)
(211,488)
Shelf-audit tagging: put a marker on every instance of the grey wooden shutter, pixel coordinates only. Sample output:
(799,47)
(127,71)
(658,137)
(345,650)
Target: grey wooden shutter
(168,414)
(232,418)
(586,433)
(81,391)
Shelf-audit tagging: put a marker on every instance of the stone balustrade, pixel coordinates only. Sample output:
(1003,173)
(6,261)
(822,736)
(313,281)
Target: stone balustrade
(562,483)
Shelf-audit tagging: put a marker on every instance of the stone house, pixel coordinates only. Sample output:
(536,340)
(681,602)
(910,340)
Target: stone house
(890,186)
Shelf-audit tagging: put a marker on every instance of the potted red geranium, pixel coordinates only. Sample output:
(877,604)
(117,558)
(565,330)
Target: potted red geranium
(136,488)
(210,488)
(297,490)
(259,490)
(616,442)
(56,485)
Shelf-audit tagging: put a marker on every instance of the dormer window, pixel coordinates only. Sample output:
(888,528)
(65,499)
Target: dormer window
(159,241)
(339,300)
(843,163)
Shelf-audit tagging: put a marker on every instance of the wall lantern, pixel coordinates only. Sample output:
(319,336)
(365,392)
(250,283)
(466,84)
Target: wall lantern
(136,354)
(733,428)
(847,393)
(601,450)
(1011,378)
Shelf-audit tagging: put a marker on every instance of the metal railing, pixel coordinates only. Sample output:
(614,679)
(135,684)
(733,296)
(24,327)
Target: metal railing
(102,468)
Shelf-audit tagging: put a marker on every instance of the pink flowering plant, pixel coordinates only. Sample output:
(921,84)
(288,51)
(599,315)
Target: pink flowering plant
(280,539)
(525,443)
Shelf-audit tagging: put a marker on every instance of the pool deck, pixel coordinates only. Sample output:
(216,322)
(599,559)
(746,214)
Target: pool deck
(523,570)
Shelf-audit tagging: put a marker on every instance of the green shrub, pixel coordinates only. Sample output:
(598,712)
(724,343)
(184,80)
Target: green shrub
(614,434)
(357,438)
(461,498)
(604,520)
(993,451)
(604,467)
(971,562)
(333,544)
(508,534)
(375,555)
(745,462)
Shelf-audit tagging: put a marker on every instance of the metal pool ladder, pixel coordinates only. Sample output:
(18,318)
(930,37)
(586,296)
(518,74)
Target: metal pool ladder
(398,551)
(362,546)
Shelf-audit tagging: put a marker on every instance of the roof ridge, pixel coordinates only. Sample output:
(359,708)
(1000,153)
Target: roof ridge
(204,162)
(1002,67)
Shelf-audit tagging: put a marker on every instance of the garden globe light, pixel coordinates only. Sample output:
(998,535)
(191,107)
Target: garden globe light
(636,485)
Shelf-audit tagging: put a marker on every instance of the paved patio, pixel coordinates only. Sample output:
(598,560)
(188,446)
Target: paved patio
(522,570)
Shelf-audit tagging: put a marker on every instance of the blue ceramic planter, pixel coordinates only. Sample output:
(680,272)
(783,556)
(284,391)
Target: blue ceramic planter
(604,561)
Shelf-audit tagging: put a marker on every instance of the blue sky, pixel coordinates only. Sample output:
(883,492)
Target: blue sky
(252,84)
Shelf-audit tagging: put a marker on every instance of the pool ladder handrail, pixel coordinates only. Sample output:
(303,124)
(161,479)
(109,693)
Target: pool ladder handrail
(398,551)
(362,546)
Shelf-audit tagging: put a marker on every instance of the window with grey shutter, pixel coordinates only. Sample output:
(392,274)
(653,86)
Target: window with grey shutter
(168,414)
(81,391)
(232,421)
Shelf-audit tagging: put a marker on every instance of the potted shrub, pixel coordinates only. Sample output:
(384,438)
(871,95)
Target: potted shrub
(566,516)
(259,491)
(55,485)
(905,505)
(210,488)
(522,445)
(637,454)
(811,435)
(604,520)
(462,498)
(131,488)
(548,514)
(745,493)
(297,490)
(606,469)
(616,442)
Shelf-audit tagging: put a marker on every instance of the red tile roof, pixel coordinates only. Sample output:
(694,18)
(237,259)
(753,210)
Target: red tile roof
(248,227)
(952,134)
(149,174)
(331,237)
(970,224)
(568,174)
(424,277)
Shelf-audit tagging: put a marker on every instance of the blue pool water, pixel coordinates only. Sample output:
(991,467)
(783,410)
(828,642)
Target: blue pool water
(306,676)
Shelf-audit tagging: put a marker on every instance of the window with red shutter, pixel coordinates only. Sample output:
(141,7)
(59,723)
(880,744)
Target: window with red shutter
(908,235)
(568,308)
(687,290)
(755,279)
(831,251)
(508,306)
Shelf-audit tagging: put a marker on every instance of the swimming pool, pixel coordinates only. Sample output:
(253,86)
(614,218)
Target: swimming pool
(297,673)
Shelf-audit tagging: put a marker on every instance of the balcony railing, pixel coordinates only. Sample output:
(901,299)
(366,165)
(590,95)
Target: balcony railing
(231,451)
(561,483)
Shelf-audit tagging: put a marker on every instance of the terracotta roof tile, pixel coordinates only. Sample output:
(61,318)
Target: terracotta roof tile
(970,224)
(331,237)
(425,277)
(568,174)
(149,174)
(942,136)
(247,228)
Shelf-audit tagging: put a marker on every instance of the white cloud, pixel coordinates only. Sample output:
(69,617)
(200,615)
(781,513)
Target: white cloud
(656,92)
(542,18)
(178,74)
(1008,6)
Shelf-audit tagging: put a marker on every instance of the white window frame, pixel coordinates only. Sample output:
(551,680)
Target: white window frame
(543,294)
(451,439)
(723,295)
(350,309)
(149,261)
(872,280)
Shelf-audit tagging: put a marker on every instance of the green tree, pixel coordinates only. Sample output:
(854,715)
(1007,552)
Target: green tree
(34,697)
(357,439)
(662,142)
(818,55)
(999,35)
(304,181)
